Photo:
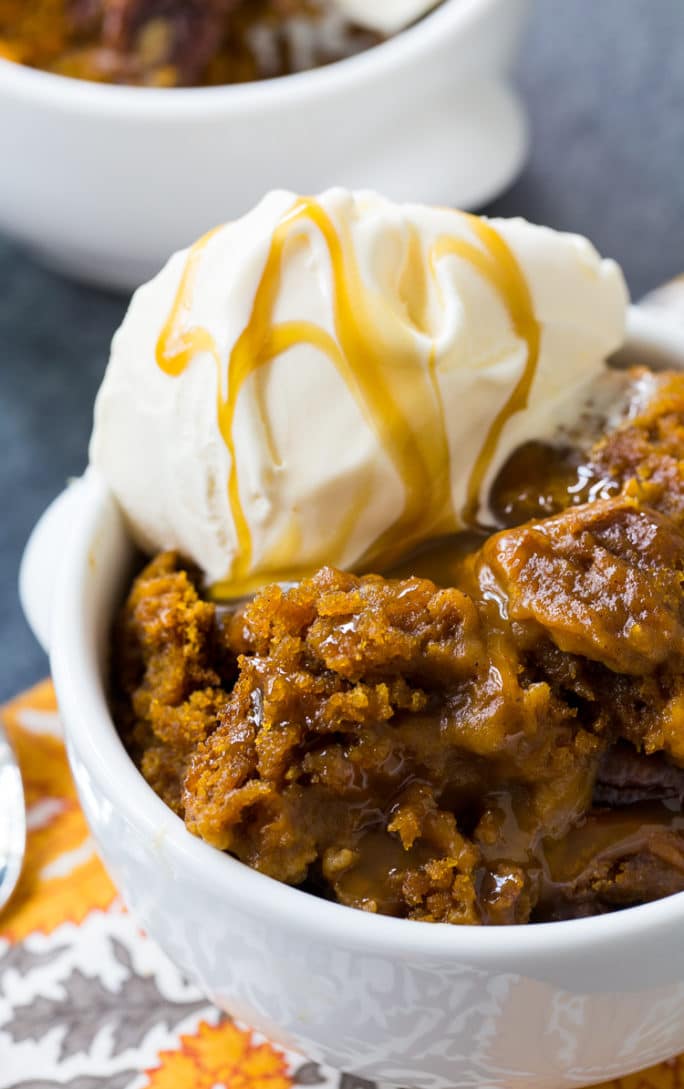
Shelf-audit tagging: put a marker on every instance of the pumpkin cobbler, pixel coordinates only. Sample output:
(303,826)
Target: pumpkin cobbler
(495,735)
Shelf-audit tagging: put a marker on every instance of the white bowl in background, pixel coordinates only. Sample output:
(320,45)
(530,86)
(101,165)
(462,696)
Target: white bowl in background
(104,182)
(547,1006)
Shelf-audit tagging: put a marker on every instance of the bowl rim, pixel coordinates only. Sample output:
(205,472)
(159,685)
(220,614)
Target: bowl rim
(169,103)
(90,730)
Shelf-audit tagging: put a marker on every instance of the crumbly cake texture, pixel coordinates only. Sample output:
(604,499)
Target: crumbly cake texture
(503,750)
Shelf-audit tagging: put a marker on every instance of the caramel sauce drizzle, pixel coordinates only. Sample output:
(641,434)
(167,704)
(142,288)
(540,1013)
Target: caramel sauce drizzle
(375,351)
(497,264)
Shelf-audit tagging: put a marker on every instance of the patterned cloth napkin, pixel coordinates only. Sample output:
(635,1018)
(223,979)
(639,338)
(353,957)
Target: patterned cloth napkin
(87,1001)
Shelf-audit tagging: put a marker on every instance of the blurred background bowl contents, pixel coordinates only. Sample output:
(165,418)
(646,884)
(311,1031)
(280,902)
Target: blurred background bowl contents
(178,43)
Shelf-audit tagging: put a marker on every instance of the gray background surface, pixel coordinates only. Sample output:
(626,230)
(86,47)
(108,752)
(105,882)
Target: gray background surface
(604,83)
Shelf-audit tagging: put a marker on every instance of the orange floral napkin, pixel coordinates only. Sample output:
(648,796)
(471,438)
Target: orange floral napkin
(87,1001)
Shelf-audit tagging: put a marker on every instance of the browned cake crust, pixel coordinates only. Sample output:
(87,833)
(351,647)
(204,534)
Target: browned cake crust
(504,750)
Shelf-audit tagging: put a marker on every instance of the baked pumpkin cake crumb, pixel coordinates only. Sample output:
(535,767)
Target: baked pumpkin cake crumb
(504,745)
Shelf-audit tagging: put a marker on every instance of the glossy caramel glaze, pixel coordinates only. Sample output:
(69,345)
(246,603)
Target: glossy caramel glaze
(505,748)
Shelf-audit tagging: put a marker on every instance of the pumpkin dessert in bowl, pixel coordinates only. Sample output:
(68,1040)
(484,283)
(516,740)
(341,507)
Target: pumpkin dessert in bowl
(412,636)
(194,43)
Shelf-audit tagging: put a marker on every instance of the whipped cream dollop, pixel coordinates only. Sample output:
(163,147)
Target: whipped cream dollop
(384,16)
(337,380)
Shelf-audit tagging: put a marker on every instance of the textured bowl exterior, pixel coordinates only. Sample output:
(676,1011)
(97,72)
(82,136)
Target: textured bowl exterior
(106,182)
(398,1002)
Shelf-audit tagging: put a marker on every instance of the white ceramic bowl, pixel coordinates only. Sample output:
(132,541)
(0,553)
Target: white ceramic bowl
(400,1002)
(104,182)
